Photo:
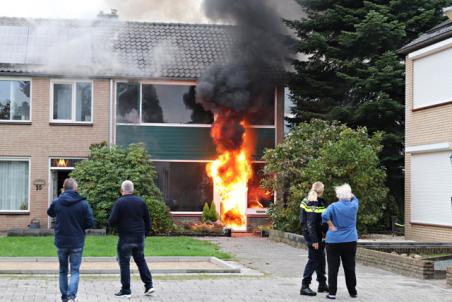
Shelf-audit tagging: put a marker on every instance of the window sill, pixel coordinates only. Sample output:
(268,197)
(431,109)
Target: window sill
(18,212)
(55,123)
(3,122)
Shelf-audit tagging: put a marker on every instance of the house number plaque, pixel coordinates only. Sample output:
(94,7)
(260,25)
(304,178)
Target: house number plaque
(39,184)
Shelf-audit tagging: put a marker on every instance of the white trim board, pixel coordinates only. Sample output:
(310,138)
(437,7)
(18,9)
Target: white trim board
(429,148)
(432,48)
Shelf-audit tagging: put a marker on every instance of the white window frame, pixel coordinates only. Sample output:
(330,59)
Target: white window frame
(31,103)
(23,159)
(72,82)
(182,83)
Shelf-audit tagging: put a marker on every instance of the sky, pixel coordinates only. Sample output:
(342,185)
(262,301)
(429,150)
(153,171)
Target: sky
(186,11)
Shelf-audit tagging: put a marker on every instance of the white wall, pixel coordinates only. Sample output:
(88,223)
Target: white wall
(432,76)
(431,188)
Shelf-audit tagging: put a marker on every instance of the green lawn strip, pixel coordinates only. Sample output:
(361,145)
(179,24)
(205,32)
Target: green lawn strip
(97,246)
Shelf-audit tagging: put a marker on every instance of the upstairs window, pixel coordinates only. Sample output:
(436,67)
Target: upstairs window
(159,104)
(71,101)
(15,100)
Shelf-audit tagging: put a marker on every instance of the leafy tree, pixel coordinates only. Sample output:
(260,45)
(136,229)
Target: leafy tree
(351,71)
(100,177)
(334,154)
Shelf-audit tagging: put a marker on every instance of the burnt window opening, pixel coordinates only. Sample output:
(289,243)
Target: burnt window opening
(174,104)
(128,103)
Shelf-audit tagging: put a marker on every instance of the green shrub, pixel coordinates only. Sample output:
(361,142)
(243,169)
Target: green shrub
(213,212)
(100,177)
(162,221)
(331,153)
(209,214)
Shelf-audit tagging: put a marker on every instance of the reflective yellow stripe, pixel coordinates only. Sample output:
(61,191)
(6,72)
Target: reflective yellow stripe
(311,209)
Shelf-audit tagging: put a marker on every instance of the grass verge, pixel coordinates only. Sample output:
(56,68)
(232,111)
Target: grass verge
(98,246)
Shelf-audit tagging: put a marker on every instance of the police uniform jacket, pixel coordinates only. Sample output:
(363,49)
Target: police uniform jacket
(312,227)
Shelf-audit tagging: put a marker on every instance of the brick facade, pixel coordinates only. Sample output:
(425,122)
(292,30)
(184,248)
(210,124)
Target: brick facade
(41,140)
(423,127)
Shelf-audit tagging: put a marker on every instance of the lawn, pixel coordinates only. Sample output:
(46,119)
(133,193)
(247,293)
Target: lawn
(97,246)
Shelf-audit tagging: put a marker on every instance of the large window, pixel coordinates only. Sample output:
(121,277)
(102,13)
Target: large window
(14,185)
(185,185)
(151,103)
(262,113)
(72,101)
(15,100)
(176,104)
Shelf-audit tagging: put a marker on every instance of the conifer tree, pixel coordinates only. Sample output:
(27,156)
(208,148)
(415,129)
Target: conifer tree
(351,71)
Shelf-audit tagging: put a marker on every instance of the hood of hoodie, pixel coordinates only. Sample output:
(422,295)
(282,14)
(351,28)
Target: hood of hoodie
(69,198)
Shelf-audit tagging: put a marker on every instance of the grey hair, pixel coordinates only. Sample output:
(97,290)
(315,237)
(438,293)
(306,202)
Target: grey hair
(127,186)
(344,192)
(70,184)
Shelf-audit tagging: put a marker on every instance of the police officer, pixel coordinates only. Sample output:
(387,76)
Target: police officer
(313,230)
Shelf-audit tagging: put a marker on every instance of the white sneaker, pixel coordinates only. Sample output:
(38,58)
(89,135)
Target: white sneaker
(149,291)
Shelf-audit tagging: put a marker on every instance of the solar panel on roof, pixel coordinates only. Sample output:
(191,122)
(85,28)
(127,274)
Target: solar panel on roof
(13,44)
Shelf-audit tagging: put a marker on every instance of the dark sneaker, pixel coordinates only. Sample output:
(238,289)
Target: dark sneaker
(331,297)
(354,295)
(149,291)
(306,291)
(323,288)
(123,294)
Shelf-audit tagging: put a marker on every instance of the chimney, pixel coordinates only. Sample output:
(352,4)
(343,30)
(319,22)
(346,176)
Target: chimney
(448,12)
(112,15)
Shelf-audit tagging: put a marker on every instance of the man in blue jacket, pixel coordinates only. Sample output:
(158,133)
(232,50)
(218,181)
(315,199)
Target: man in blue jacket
(73,216)
(130,216)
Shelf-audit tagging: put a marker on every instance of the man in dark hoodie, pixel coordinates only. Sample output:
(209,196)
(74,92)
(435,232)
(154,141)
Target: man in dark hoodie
(130,216)
(73,216)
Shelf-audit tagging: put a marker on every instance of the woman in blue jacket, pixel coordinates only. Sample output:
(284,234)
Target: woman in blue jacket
(341,239)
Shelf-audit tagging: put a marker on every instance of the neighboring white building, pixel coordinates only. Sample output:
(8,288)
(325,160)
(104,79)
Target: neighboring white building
(428,161)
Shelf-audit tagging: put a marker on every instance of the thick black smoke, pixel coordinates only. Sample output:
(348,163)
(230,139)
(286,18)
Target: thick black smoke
(259,55)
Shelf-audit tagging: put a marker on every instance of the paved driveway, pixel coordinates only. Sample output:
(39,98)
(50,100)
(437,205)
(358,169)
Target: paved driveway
(280,264)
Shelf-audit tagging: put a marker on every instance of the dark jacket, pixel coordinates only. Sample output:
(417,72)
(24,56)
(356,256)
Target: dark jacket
(130,216)
(312,228)
(73,216)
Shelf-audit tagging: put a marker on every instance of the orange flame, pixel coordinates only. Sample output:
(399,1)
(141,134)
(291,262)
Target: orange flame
(231,172)
(255,195)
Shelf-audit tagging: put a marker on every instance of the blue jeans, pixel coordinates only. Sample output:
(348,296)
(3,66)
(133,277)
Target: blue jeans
(75,257)
(126,249)
(316,262)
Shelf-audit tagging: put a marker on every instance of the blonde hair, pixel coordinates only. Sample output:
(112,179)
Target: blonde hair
(316,189)
(344,192)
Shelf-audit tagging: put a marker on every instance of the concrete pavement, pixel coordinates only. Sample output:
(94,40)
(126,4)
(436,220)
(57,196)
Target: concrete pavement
(280,264)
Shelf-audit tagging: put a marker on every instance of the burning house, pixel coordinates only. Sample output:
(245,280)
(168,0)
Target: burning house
(204,100)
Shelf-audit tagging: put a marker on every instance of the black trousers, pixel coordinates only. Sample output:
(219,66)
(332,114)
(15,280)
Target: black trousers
(335,253)
(316,262)
(127,249)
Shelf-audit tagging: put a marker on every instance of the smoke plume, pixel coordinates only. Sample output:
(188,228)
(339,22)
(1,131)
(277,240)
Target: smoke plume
(259,53)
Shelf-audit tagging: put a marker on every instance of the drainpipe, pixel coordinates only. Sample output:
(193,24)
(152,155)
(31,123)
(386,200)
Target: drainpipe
(110,119)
